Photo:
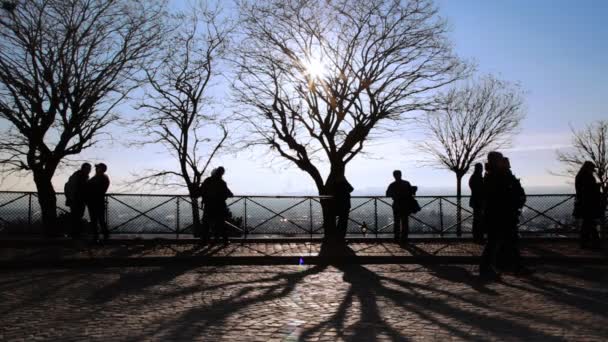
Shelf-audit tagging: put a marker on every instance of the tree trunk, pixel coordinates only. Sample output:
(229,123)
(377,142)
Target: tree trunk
(47,200)
(328,206)
(459,205)
(329,215)
(196,216)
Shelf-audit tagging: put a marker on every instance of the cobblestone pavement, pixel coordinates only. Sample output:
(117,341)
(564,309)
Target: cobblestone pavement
(291,303)
(135,249)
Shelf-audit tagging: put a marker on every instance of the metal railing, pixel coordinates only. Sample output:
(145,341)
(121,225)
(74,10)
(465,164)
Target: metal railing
(547,215)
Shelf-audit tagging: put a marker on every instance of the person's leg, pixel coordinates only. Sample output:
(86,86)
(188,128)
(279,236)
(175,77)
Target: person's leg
(487,266)
(223,228)
(342,224)
(76,213)
(397,225)
(102,221)
(477,229)
(405,226)
(215,227)
(584,233)
(94,221)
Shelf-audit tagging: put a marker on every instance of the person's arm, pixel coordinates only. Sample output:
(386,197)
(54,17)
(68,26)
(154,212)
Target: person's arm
(390,191)
(106,184)
(349,187)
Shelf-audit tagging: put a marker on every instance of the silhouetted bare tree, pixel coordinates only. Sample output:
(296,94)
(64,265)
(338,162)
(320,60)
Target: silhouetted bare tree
(64,67)
(590,143)
(472,120)
(178,112)
(318,77)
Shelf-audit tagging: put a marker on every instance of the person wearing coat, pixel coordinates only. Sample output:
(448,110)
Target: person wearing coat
(476,202)
(587,205)
(215,192)
(75,198)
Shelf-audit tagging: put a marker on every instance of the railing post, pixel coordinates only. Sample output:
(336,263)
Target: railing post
(376,216)
(310,217)
(441,217)
(177,218)
(245,229)
(29,211)
(105,208)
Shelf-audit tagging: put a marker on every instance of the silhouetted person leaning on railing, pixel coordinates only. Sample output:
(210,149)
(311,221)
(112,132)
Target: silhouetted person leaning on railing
(75,192)
(215,192)
(587,205)
(476,202)
(340,189)
(402,193)
(96,190)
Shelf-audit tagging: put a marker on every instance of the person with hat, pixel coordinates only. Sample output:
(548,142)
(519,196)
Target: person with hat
(97,187)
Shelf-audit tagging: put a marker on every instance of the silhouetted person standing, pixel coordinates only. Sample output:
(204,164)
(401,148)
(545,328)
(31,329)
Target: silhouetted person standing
(215,192)
(476,202)
(75,192)
(97,187)
(497,212)
(509,257)
(401,192)
(340,189)
(588,205)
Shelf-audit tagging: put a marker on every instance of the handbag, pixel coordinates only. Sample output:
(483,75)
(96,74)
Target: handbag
(414,206)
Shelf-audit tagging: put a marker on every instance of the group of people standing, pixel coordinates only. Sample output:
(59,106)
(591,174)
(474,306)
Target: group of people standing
(83,192)
(497,199)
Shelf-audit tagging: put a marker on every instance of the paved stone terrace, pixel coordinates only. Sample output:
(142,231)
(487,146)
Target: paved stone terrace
(443,250)
(303,303)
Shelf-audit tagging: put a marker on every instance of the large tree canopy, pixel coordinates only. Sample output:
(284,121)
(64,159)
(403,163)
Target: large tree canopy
(64,67)
(318,77)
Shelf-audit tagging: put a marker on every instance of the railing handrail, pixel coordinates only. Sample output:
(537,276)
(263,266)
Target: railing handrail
(280,196)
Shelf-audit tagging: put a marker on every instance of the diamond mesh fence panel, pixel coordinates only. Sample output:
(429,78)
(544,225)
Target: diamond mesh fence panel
(139,214)
(543,215)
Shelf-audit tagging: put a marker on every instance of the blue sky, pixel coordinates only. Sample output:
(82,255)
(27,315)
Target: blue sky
(556,50)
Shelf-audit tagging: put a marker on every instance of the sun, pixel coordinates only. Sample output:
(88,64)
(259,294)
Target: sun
(315,68)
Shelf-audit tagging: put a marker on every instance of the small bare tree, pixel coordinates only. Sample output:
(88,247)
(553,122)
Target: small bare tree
(178,109)
(472,120)
(319,77)
(64,67)
(590,143)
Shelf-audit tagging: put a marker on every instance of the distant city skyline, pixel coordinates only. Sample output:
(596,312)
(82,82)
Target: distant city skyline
(556,50)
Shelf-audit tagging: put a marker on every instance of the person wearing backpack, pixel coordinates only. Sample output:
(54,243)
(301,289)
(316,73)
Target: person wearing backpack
(509,257)
(75,198)
(404,204)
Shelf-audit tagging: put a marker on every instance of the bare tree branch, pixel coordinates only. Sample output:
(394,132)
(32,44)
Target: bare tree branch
(178,113)
(317,78)
(473,119)
(589,144)
(64,67)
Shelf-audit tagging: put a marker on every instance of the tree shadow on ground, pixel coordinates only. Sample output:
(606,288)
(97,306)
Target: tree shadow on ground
(373,293)
(594,300)
(452,273)
(215,314)
(369,289)
(131,281)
